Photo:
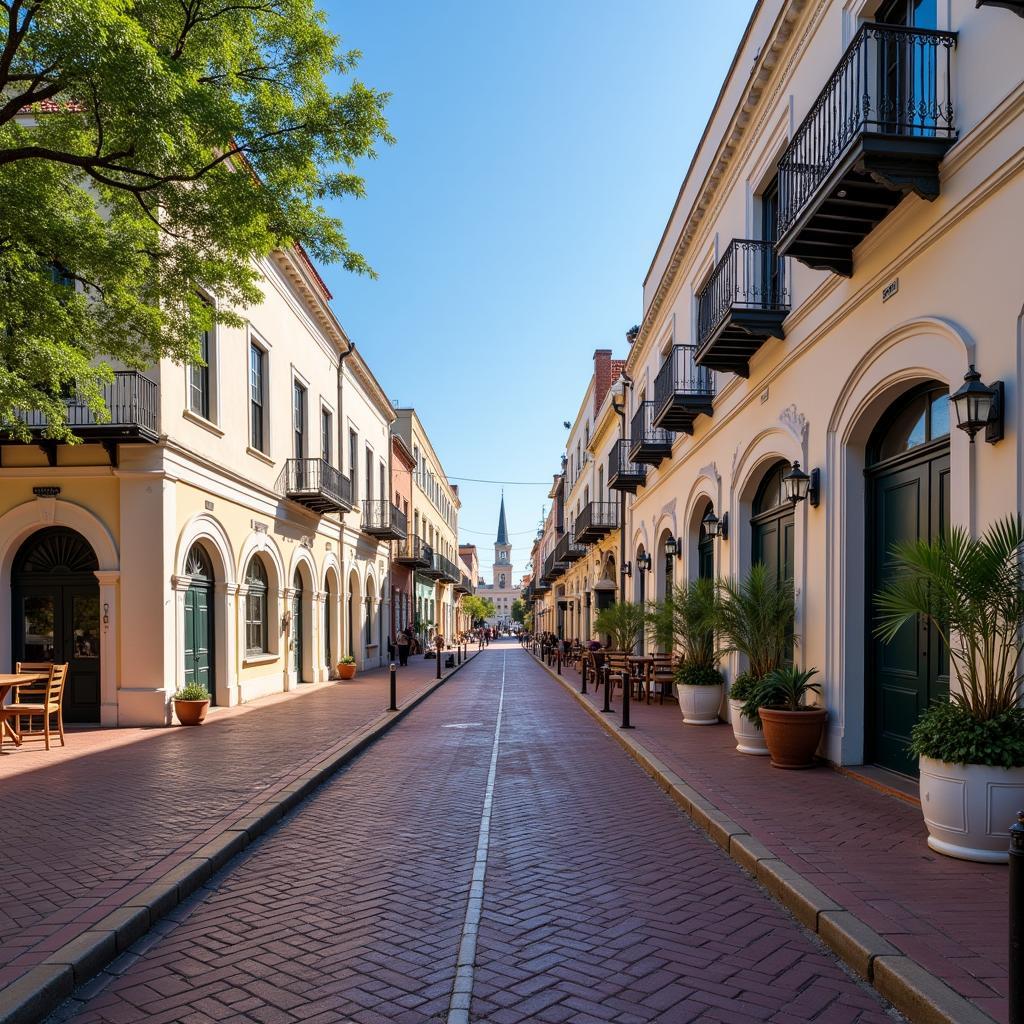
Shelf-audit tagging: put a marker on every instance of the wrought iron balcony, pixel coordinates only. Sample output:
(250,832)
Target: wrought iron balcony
(682,391)
(623,473)
(317,485)
(384,520)
(412,552)
(445,569)
(742,304)
(595,520)
(878,130)
(465,585)
(132,400)
(433,568)
(568,550)
(648,444)
(554,567)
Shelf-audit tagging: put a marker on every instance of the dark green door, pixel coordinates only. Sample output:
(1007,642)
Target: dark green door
(198,639)
(297,626)
(908,503)
(56,614)
(772,525)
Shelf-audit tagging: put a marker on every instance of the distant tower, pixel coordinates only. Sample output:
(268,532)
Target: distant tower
(502,552)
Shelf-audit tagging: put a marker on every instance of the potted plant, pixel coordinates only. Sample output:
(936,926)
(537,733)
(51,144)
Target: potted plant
(624,622)
(191,702)
(685,621)
(970,748)
(792,727)
(748,732)
(753,617)
(347,667)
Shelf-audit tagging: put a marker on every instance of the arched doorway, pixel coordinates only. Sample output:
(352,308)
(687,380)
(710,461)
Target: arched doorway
(198,639)
(297,624)
(55,602)
(907,500)
(772,525)
(329,599)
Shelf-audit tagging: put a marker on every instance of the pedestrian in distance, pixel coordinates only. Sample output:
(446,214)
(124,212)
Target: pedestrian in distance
(404,641)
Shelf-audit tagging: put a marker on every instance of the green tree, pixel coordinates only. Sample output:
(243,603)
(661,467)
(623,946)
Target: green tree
(477,608)
(519,610)
(684,622)
(149,149)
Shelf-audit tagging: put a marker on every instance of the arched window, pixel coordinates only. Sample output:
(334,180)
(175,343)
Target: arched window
(772,524)
(256,632)
(917,419)
(705,548)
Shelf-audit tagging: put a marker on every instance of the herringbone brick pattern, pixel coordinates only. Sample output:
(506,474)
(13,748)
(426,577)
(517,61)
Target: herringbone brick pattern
(114,809)
(864,848)
(602,902)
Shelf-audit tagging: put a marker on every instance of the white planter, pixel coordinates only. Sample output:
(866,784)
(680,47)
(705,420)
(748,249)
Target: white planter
(749,739)
(699,704)
(968,809)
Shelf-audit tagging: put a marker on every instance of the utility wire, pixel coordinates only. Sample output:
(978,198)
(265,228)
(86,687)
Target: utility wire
(510,483)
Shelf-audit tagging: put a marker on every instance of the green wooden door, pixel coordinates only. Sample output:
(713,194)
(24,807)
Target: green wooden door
(907,503)
(297,626)
(198,638)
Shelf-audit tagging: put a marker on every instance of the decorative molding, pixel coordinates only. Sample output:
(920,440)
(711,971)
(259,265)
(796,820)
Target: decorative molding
(795,422)
(711,469)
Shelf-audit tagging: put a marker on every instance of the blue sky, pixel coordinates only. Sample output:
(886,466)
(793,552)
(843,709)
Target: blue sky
(540,147)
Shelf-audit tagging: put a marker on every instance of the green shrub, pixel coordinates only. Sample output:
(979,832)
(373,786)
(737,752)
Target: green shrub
(785,688)
(949,732)
(743,687)
(698,675)
(192,691)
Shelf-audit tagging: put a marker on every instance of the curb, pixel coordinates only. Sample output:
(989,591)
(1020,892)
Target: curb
(918,994)
(43,988)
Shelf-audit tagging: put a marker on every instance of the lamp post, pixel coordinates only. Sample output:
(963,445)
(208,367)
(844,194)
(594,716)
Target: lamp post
(619,404)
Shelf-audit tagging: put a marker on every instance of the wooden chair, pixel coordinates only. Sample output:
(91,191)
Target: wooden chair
(662,676)
(31,693)
(618,668)
(50,704)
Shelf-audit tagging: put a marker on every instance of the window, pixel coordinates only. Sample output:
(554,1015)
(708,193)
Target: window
(383,483)
(256,608)
(257,362)
(353,462)
(199,379)
(326,436)
(369,474)
(298,420)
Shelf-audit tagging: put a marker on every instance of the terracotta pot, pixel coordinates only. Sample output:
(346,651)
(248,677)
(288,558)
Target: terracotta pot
(346,671)
(792,736)
(191,712)
(749,739)
(699,704)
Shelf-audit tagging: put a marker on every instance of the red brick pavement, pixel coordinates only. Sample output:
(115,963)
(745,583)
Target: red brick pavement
(106,815)
(602,901)
(864,848)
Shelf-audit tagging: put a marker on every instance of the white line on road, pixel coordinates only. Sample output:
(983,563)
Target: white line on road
(462,993)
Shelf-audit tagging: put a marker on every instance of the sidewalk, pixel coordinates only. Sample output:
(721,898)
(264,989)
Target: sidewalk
(86,829)
(863,848)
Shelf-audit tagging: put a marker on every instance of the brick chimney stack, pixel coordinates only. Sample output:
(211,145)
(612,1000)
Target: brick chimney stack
(602,375)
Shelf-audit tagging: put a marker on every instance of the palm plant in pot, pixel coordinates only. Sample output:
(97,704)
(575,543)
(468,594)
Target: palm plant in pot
(191,702)
(970,748)
(624,623)
(753,617)
(684,621)
(792,727)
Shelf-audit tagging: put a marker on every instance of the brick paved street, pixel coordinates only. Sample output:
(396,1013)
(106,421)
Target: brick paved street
(115,808)
(865,849)
(602,902)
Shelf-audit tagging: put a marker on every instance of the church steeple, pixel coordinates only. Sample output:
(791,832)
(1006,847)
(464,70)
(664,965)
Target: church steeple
(502,527)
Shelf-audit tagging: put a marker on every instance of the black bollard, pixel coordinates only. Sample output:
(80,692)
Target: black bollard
(607,709)
(459,649)
(438,653)
(559,659)
(627,685)
(394,690)
(1016,887)
(583,688)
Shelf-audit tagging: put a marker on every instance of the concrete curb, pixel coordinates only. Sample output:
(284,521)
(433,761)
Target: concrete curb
(918,994)
(42,989)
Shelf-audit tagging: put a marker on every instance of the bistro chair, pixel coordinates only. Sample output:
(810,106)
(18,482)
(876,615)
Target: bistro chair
(618,668)
(50,704)
(34,692)
(662,676)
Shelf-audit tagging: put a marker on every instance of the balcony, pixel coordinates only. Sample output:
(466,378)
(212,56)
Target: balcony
(317,485)
(623,473)
(382,519)
(568,550)
(132,400)
(742,305)
(596,520)
(682,391)
(444,569)
(553,567)
(433,568)
(412,552)
(878,130)
(648,444)
(465,585)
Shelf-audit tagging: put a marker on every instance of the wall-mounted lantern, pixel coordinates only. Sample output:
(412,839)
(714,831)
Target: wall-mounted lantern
(715,527)
(801,486)
(979,405)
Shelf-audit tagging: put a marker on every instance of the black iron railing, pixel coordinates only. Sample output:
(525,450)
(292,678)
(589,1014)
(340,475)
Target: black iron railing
(642,429)
(621,468)
(748,276)
(892,81)
(315,478)
(597,515)
(567,549)
(446,568)
(381,516)
(412,549)
(465,584)
(131,398)
(680,376)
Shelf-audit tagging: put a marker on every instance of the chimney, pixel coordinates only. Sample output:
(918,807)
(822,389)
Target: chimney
(602,375)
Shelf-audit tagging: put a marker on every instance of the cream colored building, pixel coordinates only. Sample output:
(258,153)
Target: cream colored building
(434,522)
(229,526)
(845,244)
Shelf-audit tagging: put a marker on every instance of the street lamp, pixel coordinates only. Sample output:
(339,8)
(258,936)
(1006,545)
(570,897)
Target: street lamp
(619,405)
(715,527)
(643,562)
(801,486)
(979,405)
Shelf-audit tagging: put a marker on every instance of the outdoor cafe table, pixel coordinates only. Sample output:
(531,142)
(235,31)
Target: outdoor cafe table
(7,682)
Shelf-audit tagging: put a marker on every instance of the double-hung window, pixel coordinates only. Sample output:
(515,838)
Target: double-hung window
(298,420)
(353,462)
(199,378)
(256,631)
(326,436)
(257,397)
